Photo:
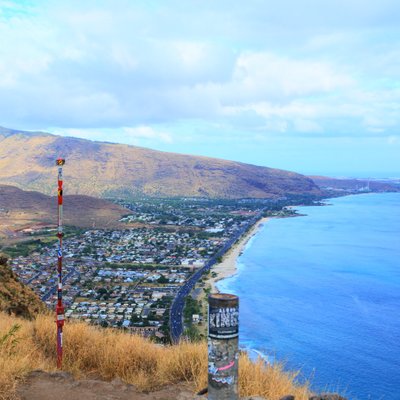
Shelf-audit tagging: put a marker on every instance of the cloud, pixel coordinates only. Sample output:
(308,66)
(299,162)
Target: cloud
(146,132)
(270,75)
(227,66)
(139,135)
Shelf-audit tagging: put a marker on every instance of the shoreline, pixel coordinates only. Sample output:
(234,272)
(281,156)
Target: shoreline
(228,266)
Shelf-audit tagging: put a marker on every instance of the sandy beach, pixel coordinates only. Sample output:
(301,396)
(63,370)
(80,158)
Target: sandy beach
(228,266)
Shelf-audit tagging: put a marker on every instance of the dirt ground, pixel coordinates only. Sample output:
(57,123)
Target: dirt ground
(41,385)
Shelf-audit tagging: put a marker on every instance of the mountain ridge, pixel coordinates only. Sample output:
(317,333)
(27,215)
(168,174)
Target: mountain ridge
(105,169)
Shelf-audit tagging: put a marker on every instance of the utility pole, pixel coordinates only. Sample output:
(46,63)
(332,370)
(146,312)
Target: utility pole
(60,308)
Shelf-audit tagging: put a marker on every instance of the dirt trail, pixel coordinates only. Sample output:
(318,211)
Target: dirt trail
(41,385)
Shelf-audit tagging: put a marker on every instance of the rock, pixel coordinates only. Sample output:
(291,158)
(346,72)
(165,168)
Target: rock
(187,396)
(327,396)
(202,391)
(36,373)
(61,376)
(288,397)
(74,385)
(93,383)
(253,398)
(117,383)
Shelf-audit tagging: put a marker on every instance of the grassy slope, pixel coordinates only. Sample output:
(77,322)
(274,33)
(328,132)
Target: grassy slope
(110,354)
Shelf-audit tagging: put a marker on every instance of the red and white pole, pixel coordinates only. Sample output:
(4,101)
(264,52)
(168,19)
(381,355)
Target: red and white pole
(60,308)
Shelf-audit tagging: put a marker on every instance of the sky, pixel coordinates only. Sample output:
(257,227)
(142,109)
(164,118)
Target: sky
(305,85)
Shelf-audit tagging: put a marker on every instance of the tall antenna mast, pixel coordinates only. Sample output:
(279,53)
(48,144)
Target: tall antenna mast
(60,308)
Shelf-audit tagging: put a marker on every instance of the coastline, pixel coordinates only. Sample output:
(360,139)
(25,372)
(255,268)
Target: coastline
(228,266)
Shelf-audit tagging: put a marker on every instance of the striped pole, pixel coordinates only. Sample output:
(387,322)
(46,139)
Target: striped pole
(60,308)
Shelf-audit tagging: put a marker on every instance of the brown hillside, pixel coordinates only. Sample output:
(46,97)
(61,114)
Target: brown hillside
(16,298)
(21,209)
(105,169)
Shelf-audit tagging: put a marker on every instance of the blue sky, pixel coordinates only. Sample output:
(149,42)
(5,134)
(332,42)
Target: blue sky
(311,86)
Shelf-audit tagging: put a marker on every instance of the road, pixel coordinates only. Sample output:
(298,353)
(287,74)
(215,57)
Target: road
(29,281)
(53,290)
(178,304)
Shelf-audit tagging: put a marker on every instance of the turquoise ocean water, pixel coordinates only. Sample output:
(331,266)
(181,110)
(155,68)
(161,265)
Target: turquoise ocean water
(322,293)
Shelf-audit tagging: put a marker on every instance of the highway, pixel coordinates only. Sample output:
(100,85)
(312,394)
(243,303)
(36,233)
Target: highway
(178,304)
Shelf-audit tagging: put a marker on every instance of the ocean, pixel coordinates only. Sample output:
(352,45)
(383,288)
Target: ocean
(321,293)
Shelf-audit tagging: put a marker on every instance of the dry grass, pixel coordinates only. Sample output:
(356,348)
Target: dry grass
(108,354)
(18,354)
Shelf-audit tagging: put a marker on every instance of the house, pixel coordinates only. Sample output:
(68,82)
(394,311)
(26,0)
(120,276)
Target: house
(195,318)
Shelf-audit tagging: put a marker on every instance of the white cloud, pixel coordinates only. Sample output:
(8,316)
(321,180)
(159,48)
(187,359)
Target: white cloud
(191,54)
(268,110)
(134,64)
(146,132)
(139,135)
(271,75)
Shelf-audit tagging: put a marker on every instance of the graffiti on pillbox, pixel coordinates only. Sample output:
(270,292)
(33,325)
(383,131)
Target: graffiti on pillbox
(224,381)
(223,322)
(212,369)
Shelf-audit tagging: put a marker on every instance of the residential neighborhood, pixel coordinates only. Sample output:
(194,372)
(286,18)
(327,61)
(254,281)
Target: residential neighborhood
(128,278)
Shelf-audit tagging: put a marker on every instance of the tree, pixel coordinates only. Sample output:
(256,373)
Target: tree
(135,318)
(3,260)
(193,334)
(162,279)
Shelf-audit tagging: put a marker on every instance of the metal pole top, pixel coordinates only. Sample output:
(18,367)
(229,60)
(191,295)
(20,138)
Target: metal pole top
(223,296)
(223,299)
